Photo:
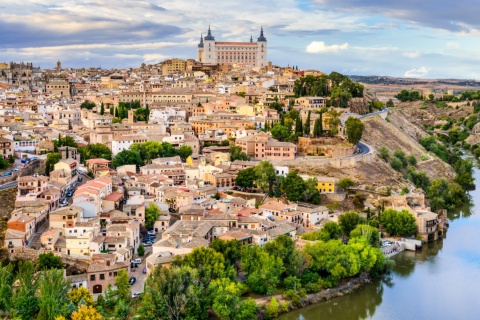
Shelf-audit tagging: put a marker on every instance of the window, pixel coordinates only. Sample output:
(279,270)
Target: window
(102,276)
(92,277)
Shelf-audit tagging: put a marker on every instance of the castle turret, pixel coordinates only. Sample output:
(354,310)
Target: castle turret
(209,51)
(261,50)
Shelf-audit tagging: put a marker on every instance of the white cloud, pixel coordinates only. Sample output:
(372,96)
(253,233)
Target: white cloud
(154,57)
(453,45)
(321,47)
(416,73)
(412,54)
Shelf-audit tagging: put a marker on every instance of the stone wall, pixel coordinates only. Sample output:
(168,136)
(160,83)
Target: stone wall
(32,255)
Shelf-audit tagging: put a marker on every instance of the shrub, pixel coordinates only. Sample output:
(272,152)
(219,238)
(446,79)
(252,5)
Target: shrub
(272,310)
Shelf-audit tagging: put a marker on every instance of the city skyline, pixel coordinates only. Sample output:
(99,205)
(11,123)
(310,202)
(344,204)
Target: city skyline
(406,39)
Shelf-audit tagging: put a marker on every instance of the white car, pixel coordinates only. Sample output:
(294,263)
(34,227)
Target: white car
(137,261)
(136,295)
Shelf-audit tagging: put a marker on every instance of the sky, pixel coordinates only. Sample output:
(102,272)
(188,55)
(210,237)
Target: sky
(407,38)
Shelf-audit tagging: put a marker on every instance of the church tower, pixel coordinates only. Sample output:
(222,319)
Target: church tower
(261,50)
(200,49)
(209,51)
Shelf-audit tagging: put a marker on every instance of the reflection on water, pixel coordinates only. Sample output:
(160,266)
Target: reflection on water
(439,282)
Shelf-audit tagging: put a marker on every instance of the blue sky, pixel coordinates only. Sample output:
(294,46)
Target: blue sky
(411,38)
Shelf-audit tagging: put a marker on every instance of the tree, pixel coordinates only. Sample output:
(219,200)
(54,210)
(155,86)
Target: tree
(311,193)
(265,173)
(126,157)
(52,159)
(412,160)
(354,129)
(236,153)
(231,250)
(6,288)
(371,234)
(396,164)
(98,150)
(398,223)
(80,296)
(263,270)
(152,213)
(102,109)
(306,126)
(121,309)
(24,300)
(87,104)
(294,186)
(53,292)
(85,312)
(141,250)
(390,104)
(184,152)
(345,183)
(400,154)
(169,293)
(226,300)
(298,126)
(333,121)
(48,261)
(384,153)
(279,132)
(123,285)
(318,128)
(330,231)
(348,221)
(246,178)
(359,200)
(112,110)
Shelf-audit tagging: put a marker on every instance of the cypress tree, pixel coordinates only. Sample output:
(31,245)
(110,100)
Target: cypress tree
(102,109)
(282,120)
(316,128)
(298,126)
(116,112)
(111,111)
(147,112)
(306,127)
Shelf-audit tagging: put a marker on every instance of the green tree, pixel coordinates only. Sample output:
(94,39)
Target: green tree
(184,152)
(412,160)
(112,110)
(396,164)
(47,261)
(102,109)
(371,234)
(263,270)
(236,153)
(226,300)
(123,285)
(209,263)
(384,153)
(311,193)
(349,221)
(141,250)
(152,213)
(246,178)
(398,223)
(400,154)
(279,132)
(345,183)
(125,157)
(122,309)
(52,159)
(390,104)
(24,300)
(87,104)
(306,126)
(6,287)
(294,186)
(354,129)
(443,194)
(52,294)
(298,126)
(318,128)
(265,173)
(231,250)
(333,121)
(98,150)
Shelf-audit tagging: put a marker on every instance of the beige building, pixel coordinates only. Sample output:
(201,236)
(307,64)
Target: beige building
(264,147)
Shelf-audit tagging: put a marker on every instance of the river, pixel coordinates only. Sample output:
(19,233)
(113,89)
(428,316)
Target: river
(440,282)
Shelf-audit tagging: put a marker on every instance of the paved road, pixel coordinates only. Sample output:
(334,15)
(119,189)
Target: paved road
(374,113)
(8,185)
(139,275)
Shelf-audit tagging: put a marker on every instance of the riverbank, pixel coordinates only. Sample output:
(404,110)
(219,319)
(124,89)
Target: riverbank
(314,298)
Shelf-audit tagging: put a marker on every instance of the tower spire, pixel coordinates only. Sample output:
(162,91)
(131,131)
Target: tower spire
(200,45)
(251,38)
(209,35)
(262,37)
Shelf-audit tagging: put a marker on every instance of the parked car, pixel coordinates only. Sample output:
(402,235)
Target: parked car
(136,295)
(171,210)
(147,244)
(138,260)
(7,173)
(63,202)
(24,160)
(152,233)
(144,271)
(133,265)
(34,158)
(132,280)
(70,193)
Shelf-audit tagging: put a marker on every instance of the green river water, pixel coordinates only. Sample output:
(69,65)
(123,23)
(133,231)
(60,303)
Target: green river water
(440,282)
